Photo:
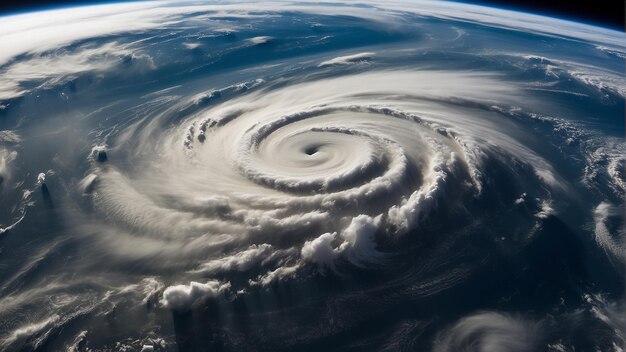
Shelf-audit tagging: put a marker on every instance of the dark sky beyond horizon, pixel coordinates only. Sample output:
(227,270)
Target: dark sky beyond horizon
(609,14)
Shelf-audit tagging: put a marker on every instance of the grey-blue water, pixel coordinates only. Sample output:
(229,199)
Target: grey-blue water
(423,176)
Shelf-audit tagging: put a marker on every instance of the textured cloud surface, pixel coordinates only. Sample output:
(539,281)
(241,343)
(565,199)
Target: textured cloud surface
(332,176)
(490,332)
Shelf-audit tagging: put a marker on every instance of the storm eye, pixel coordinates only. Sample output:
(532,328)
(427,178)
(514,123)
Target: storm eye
(311,150)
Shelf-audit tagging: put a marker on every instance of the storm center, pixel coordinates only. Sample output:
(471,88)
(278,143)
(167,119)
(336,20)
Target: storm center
(311,150)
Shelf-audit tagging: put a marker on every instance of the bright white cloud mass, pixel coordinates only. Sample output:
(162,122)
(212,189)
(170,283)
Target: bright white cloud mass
(288,175)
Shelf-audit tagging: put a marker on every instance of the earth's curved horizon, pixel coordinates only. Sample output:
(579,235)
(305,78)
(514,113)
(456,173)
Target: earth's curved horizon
(283,175)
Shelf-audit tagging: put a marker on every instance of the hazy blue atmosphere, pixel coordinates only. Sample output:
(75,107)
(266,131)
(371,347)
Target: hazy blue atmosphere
(608,14)
(297,176)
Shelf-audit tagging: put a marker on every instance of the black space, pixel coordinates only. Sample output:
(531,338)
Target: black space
(606,13)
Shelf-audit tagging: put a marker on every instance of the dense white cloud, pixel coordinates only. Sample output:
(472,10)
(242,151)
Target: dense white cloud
(521,199)
(254,256)
(356,242)
(264,39)
(617,170)
(182,297)
(320,250)
(406,215)
(612,243)
(349,59)
(192,46)
(359,242)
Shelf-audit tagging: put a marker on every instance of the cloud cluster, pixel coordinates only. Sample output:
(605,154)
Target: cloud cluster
(41,34)
(50,69)
(20,337)
(7,157)
(253,257)
(237,187)
(356,242)
(312,173)
(260,40)
(320,250)
(490,331)
(348,59)
(182,297)
(612,242)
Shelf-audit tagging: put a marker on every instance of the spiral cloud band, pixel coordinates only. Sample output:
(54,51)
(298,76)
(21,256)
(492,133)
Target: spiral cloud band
(310,159)
(279,176)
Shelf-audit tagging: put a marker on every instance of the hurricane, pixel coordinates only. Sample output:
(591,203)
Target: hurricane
(272,176)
